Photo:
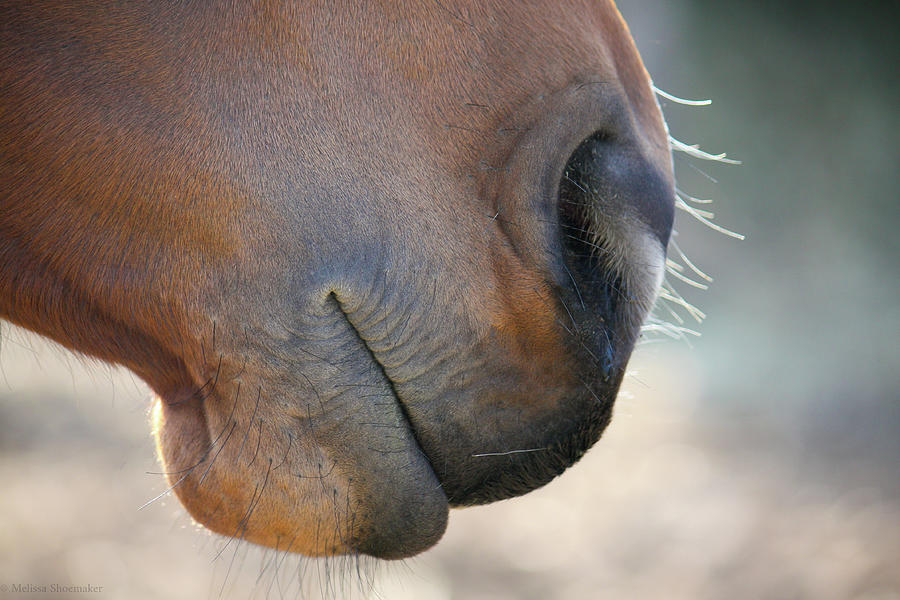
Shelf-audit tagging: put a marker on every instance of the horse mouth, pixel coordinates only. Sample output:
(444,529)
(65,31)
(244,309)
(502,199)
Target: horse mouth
(496,469)
(411,430)
(503,432)
(381,412)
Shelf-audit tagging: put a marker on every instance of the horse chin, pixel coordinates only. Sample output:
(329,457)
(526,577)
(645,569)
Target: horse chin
(267,480)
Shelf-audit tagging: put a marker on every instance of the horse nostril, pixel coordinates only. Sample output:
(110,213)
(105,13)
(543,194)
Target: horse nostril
(577,189)
(614,213)
(584,224)
(590,207)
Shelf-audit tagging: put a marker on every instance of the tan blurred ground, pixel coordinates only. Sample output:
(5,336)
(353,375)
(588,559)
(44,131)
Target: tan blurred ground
(658,509)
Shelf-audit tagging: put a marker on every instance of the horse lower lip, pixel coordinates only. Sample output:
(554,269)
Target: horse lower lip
(406,494)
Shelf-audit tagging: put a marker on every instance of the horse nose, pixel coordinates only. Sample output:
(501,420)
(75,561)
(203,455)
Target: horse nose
(598,240)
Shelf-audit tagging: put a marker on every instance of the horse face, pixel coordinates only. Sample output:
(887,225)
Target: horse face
(375,260)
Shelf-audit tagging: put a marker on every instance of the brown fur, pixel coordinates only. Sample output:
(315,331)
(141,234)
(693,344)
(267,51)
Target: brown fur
(315,230)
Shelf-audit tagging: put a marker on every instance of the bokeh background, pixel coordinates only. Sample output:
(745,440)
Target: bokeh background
(762,460)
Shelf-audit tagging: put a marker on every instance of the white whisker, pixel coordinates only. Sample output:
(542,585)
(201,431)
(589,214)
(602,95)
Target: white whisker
(690,198)
(688,262)
(674,270)
(679,203)
(684,101)
(695,151)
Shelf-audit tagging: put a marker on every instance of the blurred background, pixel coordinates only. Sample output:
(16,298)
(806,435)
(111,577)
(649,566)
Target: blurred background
(762,460)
